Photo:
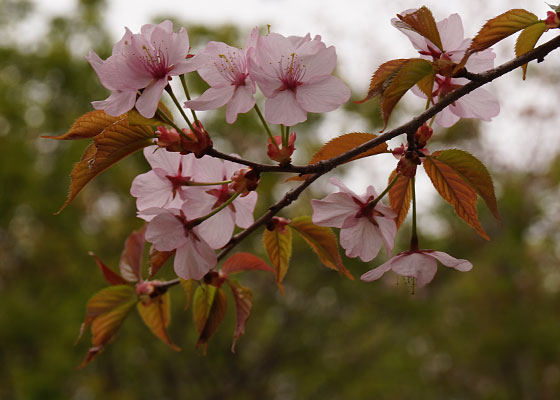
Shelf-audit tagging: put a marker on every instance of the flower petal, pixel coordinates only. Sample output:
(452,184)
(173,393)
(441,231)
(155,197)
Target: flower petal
(283,108)
(376,273)
(336,210)
(323,95)
(362,240)
(117,103)
(166,231)
(449,261)
(212,98)
(418,265)
(241,102)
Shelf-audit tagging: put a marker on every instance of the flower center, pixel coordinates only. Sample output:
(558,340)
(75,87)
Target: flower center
(291,74)
(178,180)
(222,195)
(156,62)
(233,68)
(445,86)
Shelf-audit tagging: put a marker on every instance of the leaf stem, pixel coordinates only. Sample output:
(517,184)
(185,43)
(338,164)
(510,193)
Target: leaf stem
(198,221)
(374,202)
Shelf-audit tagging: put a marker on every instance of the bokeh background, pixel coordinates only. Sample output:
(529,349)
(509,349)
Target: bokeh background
(492,333)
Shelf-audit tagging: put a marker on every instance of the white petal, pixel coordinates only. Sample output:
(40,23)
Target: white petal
(449,261)
(362,240)
(418,265)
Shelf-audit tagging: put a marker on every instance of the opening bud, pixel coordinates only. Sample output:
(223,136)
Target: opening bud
(278,152)
(245,180)
(422,135)
(200,141)
(407,164)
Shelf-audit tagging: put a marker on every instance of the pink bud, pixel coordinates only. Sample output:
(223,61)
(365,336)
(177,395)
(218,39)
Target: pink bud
(200,141)
(168,138)
(245,180)
(278,152)
(552,20)
(423,134)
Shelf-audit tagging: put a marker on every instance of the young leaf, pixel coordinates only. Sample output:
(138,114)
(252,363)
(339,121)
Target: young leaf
(189,286)
(382,78)
(322,241)
(342,144)
(110,276)
(278,246)
(209,308)
(527,40)
(106,311)
(414,71)
(113,144)
(89,125)
(244,262)
(422,22)
(453,189)
(156,260)
(155,314)
(131,257)
(497,29)
(243,303)
(473,172)
(400,196)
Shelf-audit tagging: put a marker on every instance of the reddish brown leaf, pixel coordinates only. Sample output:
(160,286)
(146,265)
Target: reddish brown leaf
(110,276)
(155,314)
(400,196)
(156,260)
(113,144)
(422,22)
(243,303)
(89,125)
(209,308)
(527,40)
(244,262)
(382,78)
(453,189)
(322,241)
(131,257)
(473,172)
(342,144)
(278,246)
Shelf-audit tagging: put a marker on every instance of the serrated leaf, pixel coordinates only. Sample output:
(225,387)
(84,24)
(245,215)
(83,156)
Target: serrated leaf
(414,71)
(110,276)
(156,260)
(322,241)
(243,303)
(422,22)
(455,190)
(189,286)
(278,246)
(131,257)
(497,29)
(472,171)
(426,85)
(155,314)
(88,125)
(340,145)
(106,311)
(209,308)
(400,196)
(382,78)
(115,143)
(244,262)
(527,40)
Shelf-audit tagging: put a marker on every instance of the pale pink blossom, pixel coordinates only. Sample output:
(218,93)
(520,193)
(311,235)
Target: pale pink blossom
(420,264)
(143,61)
(363,229)
(480,103)
(226,70)
(218,229)
(294,73)
(169,230)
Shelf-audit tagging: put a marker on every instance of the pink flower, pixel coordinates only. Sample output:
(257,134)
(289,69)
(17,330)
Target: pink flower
(141,61)
(363,228)
(162,187)
(169,230)
(218,229)
(294,73)
(226,70)
(480,103)
(420,264)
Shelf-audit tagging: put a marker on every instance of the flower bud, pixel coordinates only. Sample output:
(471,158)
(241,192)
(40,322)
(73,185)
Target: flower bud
(552,20)
(147,290)
(277,224)
(278,152)
(168,138)
(200,141)
(422,135)
(245,180)
(407,164)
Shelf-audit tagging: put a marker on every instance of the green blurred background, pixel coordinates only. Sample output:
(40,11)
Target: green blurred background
(492,333)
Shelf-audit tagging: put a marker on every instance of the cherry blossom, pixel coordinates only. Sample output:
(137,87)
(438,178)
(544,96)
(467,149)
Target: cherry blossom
(218,229)
(226,70)
(294,73)
(420,264)
(169,230)
(363,229)
(141,61)
(480,103)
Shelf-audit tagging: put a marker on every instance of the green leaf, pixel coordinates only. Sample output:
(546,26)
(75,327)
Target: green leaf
(244,262)
(422,22)
(278,246)
(322,241)
(414,71)
(243,303)
(527,40)
(474,172)
(209,308)
(155,314)
(106,311)
(383,77)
